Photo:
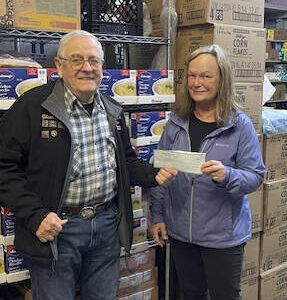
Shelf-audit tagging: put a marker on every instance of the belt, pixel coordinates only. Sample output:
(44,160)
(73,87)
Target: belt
(86,212)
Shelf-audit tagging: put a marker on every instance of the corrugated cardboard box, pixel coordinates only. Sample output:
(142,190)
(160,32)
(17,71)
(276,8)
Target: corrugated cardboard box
(250,267)
(244,46)
(273,248)
(256,206)
(47,15)
(155,8)
(6,13)
(275,203)
(249,96)
(235,12)
(275,156)
(273,284)
(280,92)
(249,288)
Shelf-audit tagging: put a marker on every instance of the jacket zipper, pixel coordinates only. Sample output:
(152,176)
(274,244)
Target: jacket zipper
(190,211)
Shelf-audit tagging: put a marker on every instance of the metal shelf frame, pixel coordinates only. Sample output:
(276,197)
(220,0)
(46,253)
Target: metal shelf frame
(18,33)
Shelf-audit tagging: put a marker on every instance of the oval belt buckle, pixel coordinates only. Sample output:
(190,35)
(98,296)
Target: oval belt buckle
(87,212)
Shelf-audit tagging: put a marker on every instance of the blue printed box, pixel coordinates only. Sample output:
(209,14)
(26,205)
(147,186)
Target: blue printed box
(52,74)
(155,86)
(13,261)
(7,221)
(146,152)
(15,81)
(147,127)
(121,85)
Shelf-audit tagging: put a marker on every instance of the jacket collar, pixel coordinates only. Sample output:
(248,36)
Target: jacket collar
(56,105)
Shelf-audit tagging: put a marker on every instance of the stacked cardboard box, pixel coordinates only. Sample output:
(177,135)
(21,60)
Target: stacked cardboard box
(273,245)
(138,275)
(236,26)
(12,266)
(53,15)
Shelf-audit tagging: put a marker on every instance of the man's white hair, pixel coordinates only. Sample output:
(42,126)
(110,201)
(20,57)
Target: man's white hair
(67,37)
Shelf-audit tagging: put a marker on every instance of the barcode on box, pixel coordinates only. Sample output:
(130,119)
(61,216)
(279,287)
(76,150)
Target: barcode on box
(248,73)
(239,16)
(197,14)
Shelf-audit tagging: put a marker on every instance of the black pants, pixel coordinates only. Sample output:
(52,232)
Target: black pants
(202,271)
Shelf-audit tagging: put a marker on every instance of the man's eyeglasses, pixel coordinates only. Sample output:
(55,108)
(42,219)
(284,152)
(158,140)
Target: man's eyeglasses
(77,62)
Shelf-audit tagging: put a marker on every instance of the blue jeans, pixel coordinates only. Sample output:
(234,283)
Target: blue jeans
(88,253)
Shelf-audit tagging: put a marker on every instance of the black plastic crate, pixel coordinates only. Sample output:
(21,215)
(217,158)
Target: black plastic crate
(123,17)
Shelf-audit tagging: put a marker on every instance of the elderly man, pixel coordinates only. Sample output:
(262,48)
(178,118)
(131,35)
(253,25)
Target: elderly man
(66,166)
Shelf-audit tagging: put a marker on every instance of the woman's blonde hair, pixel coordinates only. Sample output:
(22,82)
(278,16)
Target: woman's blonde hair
(225,103)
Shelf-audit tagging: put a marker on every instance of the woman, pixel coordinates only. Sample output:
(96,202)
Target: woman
(207,217)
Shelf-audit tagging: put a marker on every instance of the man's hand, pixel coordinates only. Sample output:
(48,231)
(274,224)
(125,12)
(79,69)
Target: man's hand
(159,234)
(165,176)
(214,169)
(50,227)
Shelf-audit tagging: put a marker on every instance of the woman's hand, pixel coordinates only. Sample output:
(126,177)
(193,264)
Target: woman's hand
(158,231)
(214,169)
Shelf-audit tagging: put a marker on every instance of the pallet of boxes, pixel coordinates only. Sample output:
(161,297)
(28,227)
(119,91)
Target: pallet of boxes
(138,273)
(12,265)
(236,26)
(273,246)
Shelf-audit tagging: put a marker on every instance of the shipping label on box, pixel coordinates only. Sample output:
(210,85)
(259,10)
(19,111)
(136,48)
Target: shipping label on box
(13,261)
(249,96)
(7,221)
(147,127)
(256,206)
(121,85)
(53,15)
(15,81)
(6,13)
(244,46)
(273,248)
(250,267)
(135,279)
(155,86)
(275,203)
(273,284)
(234,12)
(275,156)
(147,291)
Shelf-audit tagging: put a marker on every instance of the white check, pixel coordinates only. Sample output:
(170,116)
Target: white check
(184,161)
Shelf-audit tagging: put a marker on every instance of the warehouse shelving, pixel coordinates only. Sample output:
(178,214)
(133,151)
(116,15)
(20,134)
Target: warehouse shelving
(17,33)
